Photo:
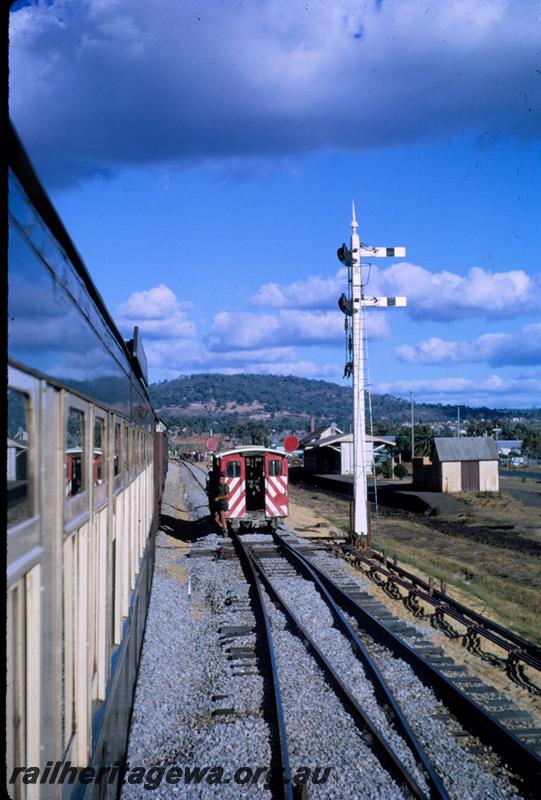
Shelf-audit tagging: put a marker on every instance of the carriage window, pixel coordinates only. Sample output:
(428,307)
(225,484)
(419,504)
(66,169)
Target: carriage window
(125,455)
(18,505)
(116,459)
(100,455)
(275,467)
(74,466)
(127,449)
(233,469)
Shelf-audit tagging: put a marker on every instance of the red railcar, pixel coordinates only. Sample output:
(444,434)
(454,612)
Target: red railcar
(73,475)
(258,485)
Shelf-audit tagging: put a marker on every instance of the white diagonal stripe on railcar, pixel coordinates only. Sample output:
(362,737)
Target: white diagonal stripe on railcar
(271,507)
(277,484)
(238,500)
(234,496)
(239,510)
(281,483)
(270,488)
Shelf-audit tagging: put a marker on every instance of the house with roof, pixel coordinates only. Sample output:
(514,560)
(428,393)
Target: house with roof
(332,452)
(17,459)
(507,446)
(316,434)
(459,464)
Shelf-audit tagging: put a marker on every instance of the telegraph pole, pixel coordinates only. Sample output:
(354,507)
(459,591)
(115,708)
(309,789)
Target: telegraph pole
(352,306)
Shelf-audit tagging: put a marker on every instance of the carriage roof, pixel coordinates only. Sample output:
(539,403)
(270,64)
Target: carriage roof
(250,449)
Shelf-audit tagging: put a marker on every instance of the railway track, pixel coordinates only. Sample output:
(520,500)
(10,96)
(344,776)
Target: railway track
(476,626)
(256,558)
(414,748)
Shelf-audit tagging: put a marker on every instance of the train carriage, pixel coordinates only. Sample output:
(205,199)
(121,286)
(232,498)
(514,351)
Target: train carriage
(85,472)
(257,478)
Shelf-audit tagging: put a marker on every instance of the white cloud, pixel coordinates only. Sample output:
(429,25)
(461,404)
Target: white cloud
(496,349)
(449,296)
(493,390)
(238,341)
(430,295)
(180,355)
(158,314)
(90,79)
(173,358)
(246,330)
(314,292)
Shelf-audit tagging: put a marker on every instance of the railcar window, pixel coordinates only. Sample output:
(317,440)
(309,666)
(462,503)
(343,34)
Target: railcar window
(116,460)
(100,451)
(18,444)
(275,467)
(233,469)
(74,465)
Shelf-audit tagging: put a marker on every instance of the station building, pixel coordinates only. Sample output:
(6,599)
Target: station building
(329,451)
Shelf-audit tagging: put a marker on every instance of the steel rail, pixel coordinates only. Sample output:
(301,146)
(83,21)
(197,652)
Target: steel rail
(382,691)
(281,784)
(522,760)
(190,464)
(384,751)
(516,646)
(524,644)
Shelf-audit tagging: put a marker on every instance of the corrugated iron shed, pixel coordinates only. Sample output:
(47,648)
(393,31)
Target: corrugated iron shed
(469,448)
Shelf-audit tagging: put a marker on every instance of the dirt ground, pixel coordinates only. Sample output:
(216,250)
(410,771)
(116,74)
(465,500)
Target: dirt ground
(479,554)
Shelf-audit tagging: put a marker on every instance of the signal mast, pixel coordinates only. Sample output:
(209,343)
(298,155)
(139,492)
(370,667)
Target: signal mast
(352,306)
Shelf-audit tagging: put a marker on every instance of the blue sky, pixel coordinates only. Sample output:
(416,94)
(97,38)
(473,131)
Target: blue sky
(203,156)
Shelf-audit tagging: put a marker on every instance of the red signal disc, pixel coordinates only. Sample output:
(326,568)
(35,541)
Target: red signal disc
(291,443)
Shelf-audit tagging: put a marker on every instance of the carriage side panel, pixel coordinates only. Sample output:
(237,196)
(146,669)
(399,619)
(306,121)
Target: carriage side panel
(276,481)
(234,468)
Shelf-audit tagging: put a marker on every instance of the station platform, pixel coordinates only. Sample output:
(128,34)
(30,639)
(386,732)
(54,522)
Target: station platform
(391,493)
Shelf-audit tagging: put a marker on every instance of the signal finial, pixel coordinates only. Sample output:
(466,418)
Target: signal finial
(354,224)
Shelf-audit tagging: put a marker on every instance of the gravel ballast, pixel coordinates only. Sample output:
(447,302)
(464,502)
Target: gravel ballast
(194,705)
(201,695)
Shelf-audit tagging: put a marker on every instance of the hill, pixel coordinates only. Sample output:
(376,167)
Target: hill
(198,402)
